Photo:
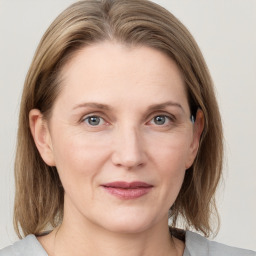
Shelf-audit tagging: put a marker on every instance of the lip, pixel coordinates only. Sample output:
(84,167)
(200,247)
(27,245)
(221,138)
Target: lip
(127,190)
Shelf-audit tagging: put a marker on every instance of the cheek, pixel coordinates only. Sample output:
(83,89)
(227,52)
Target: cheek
(173,173)
(78,157)
(170,151)
(169,156)
(172,169)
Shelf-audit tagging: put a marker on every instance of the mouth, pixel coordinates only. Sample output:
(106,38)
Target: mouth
(127,190)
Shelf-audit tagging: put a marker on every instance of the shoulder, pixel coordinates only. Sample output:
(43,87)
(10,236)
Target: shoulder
(29,246)
(197,245)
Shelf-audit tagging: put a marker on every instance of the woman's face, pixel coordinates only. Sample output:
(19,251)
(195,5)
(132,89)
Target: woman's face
(120,136)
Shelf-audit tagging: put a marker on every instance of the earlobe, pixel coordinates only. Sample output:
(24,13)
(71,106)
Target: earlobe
(197,132)
(41,135)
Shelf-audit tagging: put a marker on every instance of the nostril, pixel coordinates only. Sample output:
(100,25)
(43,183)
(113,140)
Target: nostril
(128,164)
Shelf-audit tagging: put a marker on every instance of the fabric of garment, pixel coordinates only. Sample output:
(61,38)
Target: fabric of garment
(195,245)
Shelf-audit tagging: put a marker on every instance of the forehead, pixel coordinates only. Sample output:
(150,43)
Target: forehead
(106,70)
(142,59)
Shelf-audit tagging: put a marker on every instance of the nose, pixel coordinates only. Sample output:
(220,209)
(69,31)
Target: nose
(128,150)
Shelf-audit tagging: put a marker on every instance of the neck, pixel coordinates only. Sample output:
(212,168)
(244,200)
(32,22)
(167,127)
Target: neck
(79,237)
(95,243)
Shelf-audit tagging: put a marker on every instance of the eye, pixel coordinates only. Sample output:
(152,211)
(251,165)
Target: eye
(160,120)
(94,120)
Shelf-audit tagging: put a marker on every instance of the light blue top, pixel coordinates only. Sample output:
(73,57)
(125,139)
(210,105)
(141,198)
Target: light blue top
(195,245)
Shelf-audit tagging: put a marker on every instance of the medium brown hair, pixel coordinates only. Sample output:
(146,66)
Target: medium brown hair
(39,195)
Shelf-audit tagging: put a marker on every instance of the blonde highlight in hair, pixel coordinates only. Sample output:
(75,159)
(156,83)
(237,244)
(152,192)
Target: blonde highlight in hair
(39,194)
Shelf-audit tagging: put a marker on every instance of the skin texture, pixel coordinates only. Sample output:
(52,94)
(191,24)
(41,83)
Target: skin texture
(124,89)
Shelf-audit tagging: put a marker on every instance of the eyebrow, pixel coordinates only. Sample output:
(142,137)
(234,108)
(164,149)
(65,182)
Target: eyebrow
(164,105)
(107,107)
(92,105)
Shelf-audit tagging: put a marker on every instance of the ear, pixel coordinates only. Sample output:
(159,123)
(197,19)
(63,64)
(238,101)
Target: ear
(197,132)
(41,135)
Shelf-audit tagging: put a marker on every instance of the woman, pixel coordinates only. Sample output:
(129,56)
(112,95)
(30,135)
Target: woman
(119,131)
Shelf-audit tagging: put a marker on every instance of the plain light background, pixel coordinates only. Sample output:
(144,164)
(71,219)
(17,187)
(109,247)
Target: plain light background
(226,34)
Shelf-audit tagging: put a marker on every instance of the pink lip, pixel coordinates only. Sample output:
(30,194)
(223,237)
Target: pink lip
(126,190)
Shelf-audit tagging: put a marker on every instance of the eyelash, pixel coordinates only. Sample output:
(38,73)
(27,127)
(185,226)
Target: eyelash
(87,118)
(168,118)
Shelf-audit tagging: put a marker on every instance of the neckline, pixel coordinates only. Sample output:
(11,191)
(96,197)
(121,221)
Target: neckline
(178,233)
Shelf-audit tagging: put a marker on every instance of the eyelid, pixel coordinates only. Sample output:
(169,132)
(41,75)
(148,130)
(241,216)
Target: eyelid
(86,120)
(169,122)
(148,119)
(94,114)
(160,113)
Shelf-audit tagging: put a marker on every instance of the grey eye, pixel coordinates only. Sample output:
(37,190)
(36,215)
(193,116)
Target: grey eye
(160,120)
(93,120)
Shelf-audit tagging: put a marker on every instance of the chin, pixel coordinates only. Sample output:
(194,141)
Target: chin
(129,223)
